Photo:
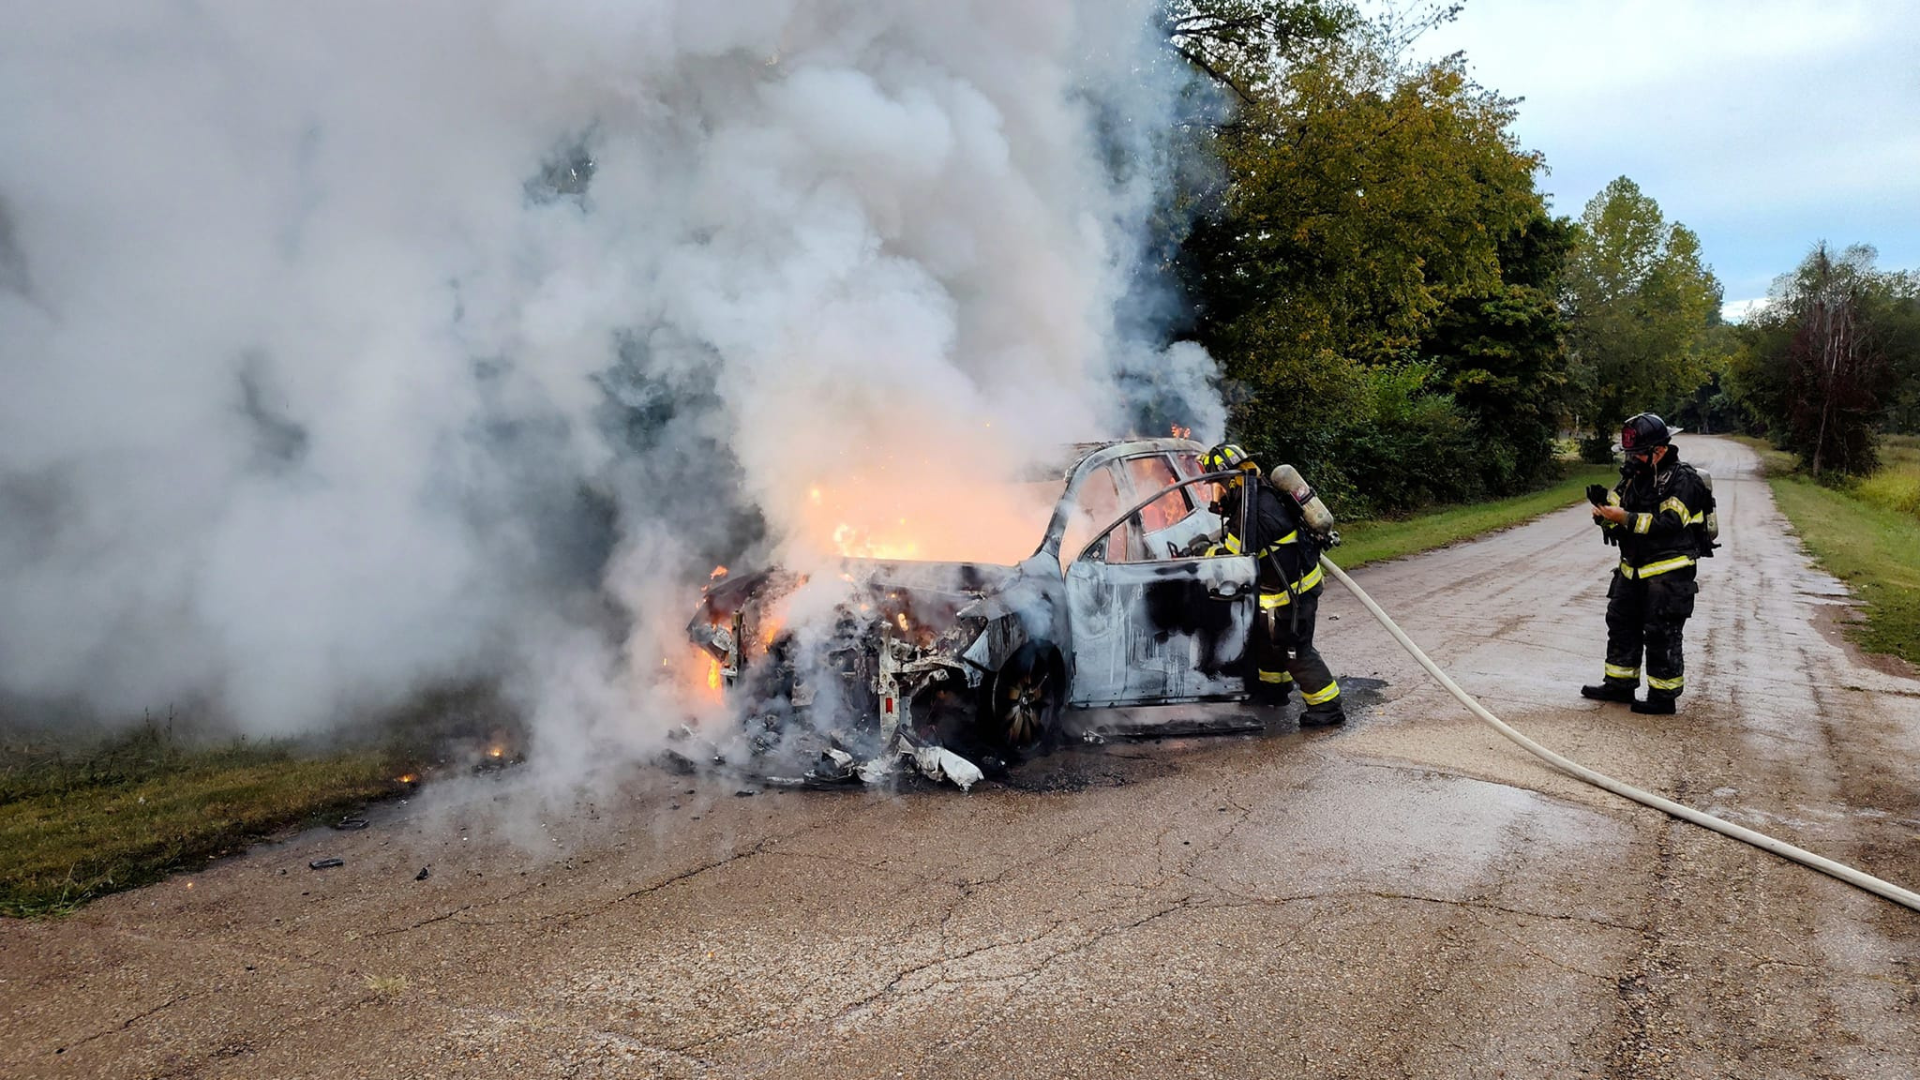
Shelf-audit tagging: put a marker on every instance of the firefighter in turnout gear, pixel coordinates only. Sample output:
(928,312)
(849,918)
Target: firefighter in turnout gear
(1290,577)
(1656,516)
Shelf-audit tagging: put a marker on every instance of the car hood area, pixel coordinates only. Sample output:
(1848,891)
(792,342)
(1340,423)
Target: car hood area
(869,665)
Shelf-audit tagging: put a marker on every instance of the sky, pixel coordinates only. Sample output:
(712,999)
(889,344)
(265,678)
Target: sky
(1763,126)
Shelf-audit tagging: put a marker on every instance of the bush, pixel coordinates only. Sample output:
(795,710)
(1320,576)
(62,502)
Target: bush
(1406,446)
(1596,449)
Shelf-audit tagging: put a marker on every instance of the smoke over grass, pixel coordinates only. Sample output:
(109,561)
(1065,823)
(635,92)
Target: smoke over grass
(355,348)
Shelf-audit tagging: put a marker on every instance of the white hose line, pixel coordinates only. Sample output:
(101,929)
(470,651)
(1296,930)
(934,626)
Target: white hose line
(1760,840)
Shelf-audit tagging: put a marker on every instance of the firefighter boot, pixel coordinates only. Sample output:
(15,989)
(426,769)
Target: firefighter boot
(1655,705)
(1328,715)
(1611,690)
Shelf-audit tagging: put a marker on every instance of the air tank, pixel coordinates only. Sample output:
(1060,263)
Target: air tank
(1713,515)
(1289,480)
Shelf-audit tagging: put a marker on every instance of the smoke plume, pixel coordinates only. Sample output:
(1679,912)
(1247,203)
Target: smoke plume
(356,348)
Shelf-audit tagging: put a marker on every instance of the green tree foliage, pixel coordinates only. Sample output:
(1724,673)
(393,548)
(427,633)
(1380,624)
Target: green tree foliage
(1502,353)
(1710,407)
(1242,44)
(1640,305)
(1377,275)
(1831,359)
(1897,323)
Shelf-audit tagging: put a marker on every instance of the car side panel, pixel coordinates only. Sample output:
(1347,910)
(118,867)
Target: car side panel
(1149,633)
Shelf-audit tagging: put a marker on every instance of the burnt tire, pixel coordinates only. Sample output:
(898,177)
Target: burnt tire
(1024,701)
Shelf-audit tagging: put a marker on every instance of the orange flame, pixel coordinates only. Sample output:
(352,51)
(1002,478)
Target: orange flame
(713,675)
(718,573)
(1182,432)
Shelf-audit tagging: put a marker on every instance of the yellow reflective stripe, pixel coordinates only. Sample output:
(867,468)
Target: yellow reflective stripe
(1275,546)
(1665,565)
(1269,601)
(1275,677)
(1654,568)
(1674,504)
(1613,498)
(1642,522)
(1615,671)
(1321,696)
(1232,543)
(1674,683)
(1698,519)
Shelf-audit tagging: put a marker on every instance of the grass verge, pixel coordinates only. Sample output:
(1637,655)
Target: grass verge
(1366,542)
(144,806)
(1875,549)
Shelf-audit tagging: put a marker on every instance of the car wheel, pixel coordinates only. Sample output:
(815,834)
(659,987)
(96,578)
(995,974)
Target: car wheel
(1026,699)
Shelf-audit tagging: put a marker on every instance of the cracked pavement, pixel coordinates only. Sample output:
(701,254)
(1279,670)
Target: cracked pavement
(1409,896)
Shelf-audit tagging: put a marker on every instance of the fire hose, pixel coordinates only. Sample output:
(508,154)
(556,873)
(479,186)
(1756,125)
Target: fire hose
(1686,813)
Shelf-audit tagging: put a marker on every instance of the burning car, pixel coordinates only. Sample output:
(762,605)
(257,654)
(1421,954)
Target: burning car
(943,663)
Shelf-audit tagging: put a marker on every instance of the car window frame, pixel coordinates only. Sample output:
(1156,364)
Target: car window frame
(1100,538)
(1165,458)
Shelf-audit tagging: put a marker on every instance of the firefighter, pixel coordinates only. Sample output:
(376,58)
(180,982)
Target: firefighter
(1656,516)
(1289,583)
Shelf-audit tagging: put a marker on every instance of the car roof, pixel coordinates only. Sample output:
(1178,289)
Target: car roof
(1094,455)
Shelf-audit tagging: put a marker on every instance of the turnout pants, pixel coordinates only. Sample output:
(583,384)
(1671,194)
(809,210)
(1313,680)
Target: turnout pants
(1284,656)
(1647,615)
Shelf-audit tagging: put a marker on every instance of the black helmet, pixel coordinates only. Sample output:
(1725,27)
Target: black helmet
(1644,432)
(1227,456)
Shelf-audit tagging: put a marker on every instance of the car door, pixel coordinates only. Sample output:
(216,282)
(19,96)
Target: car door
(1152,627)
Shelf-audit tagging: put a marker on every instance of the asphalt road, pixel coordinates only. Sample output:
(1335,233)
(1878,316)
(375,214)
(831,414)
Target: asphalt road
(1407,896)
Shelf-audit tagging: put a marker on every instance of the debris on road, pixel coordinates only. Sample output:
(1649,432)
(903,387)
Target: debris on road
(325,864)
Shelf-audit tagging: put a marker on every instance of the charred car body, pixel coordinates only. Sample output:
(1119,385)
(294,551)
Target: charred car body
(940,663)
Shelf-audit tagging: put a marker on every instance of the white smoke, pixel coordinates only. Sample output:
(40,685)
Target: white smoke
(353,348)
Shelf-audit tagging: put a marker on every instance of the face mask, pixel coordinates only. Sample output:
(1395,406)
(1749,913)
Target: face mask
(1637,465)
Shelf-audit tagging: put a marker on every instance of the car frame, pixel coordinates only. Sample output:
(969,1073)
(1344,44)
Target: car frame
(930,659)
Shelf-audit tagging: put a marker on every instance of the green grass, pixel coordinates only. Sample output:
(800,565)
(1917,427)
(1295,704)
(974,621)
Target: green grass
(1366,542)
(146,805)
(1896,484)
(1874,548)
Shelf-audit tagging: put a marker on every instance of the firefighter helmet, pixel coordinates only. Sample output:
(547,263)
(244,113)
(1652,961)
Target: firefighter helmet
(1642,433)
(1228,456)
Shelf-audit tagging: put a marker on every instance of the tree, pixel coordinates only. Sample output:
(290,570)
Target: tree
(1710,407)
(1897,328)
(1832,358)
(1640,304)
(1243,44)
(1362,203)
(1502,352)
(1837,368)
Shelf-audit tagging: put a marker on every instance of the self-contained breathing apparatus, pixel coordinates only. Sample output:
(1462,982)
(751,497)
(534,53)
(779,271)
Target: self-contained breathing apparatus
(1293,490)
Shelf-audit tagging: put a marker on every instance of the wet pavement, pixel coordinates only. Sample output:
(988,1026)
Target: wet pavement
(1409,895)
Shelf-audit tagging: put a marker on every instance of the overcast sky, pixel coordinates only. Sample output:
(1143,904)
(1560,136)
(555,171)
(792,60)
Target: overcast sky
(1762,125)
